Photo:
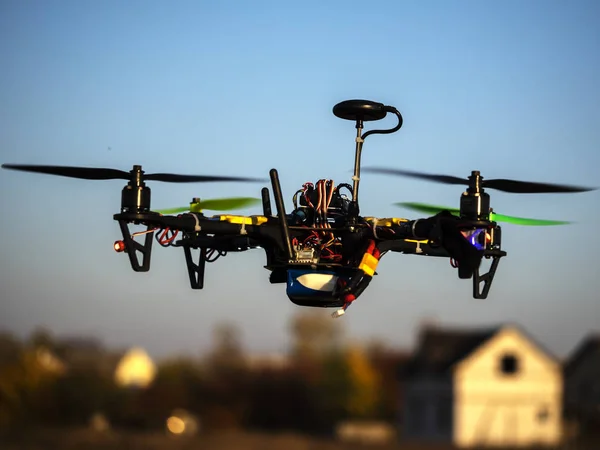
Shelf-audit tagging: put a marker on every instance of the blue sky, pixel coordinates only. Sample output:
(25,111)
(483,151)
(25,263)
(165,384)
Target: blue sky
(510,89)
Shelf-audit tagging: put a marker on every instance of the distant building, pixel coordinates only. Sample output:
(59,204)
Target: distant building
(582,385)
(135,369)
(478,388)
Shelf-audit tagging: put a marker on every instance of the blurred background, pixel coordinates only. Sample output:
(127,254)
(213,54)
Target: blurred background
(509,89)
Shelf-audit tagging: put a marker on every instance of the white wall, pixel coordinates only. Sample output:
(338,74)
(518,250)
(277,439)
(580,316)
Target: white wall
(495,409)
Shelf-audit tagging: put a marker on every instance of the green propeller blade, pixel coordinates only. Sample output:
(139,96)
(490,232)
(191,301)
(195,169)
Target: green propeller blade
(433,209)
(215,204)
(525,221)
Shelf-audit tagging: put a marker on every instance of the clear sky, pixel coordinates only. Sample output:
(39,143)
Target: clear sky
(511,89)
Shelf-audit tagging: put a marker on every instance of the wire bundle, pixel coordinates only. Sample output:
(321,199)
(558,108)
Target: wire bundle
(323,241)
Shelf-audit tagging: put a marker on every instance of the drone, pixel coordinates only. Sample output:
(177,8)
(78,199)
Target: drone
(324,250)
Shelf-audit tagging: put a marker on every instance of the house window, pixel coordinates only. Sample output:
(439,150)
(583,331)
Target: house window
(509,365)
(543,415)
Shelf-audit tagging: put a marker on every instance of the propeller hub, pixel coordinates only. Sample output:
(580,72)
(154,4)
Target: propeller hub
(136,176)
(475,182)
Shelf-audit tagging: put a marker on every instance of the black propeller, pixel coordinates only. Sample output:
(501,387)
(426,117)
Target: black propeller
(92,173)
(513,186)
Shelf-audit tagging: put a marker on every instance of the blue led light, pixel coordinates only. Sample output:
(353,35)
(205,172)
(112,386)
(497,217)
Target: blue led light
(474,238)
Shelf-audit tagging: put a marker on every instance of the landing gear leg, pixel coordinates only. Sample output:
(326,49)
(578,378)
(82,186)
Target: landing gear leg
(132,247)
(195,269)
(486,278)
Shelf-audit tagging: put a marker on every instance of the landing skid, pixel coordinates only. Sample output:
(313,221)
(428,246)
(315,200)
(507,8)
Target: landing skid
(479,291)
(132,247)
(195,269)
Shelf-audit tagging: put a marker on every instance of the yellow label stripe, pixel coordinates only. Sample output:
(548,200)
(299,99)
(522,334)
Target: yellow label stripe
(247,220)
(386,221)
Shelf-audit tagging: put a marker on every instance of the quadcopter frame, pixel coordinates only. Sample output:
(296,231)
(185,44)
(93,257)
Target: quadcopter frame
(276,234)
(324,249)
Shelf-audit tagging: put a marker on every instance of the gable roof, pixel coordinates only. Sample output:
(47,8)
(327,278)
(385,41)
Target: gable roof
(587,346)
(438,349)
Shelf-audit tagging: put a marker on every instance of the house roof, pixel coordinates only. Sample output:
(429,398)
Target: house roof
(587,346)
(439,349)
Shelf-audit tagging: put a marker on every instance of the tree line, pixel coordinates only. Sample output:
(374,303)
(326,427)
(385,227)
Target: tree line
(57,382)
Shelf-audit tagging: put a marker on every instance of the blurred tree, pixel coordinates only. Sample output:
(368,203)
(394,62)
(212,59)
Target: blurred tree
(227,354)
(318,359)
(10,359)
(388,363)
(364,384)
(82,351)
(87,388)
(376,347)
(42,338)
(10,348)
(281,400)
(24,382)
(314,333)
(52,381)
(78,395)
(334,387)
(226,387)
(178,385)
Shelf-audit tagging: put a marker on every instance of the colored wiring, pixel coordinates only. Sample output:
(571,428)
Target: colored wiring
(217,253)
(167,237)
(139,233)
(295,198)
(343,185)
(379,230)
(318,198)
(326,190)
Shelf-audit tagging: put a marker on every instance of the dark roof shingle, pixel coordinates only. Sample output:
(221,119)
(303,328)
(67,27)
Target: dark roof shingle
(587,346)
(439,349)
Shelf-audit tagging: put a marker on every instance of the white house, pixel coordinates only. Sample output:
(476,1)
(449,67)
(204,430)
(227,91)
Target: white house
(491,387)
